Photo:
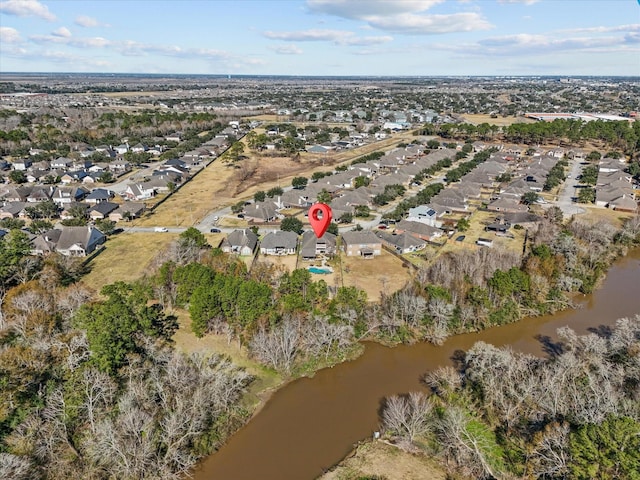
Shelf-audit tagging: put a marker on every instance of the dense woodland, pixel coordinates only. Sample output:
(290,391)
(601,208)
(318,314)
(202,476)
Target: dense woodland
(502,414)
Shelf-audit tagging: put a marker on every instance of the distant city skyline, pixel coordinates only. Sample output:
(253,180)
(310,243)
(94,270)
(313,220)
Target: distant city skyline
(323,37)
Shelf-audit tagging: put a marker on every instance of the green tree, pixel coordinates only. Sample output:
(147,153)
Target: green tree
(587,195)
(275,191)
(346,218)
(323,196)
(106,177)
(106,226)
(529,198)
(299,182)
(607,451)
(18,176)
(237,207)
(291,224)
(114,325)
(259,196)
(362,211)
(13,248)
(463,225)
(194,237)
(333,228)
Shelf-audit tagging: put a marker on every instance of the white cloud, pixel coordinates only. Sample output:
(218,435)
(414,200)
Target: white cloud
(524,44)
(410,24)
(9,35)
(339,37)
(62,32)
(633,27)
(362,9)
(287,50)
(27,8)
(401,16)
(526,2)
(85,21)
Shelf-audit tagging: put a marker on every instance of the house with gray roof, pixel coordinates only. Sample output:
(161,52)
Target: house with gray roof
(279,243)
(261,212)
(402,243)
(242,242)
(313,247)
(361,244)
(419,230)
(424,214)
(69,241)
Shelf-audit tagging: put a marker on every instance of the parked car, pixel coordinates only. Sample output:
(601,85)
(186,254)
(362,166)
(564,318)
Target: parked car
(382,226)
(240,215)
(161,229)
(460,238)
(215,230)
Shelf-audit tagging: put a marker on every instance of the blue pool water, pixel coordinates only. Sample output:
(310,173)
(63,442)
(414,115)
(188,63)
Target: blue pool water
(319,270)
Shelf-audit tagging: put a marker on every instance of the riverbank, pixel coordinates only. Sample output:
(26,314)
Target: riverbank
(310,424)
(378,459)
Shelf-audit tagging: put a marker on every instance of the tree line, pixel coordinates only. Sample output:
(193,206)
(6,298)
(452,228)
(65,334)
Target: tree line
(501,414)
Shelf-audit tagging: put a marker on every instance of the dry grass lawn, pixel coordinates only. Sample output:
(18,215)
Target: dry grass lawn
(594,214)
(376,458)
(384,273)
(478,118)
(126,257)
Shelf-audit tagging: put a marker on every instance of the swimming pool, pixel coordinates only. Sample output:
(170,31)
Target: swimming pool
(320,270)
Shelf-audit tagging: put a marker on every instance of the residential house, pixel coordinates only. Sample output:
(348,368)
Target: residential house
(139,191)
(506,205)
(65,195)
(262,212)
(402,243)
(361,244)
(69,241)
(279,243)
(102,210)
(313,247)
(13,210)
(419,230)
(98,195)
(127,211)
(22,164)
(242,242)
(424,214)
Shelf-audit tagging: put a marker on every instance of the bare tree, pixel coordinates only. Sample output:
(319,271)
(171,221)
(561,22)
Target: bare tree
(322,337)
(408,416)
(550,456)
(16,467)
(278,347)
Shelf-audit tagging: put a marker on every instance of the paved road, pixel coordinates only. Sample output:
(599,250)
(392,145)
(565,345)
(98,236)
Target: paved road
(568,190)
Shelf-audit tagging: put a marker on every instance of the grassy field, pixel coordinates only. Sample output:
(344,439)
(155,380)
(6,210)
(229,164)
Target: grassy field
(478,118)
(126,257)
(377,459)
(384,273)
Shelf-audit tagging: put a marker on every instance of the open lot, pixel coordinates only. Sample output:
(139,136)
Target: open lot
(126,257)
(384,273)
(478,118)
(377,459)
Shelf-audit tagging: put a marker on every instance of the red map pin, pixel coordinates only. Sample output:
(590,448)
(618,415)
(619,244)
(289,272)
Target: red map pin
(320,217)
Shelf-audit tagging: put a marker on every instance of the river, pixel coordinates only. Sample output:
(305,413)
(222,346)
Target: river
(312,423)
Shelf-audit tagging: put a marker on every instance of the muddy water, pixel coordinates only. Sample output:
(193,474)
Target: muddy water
(311,424)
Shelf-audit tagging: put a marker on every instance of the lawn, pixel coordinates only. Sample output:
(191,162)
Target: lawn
(377,459)
(384,273)
(478,118)
(126,257)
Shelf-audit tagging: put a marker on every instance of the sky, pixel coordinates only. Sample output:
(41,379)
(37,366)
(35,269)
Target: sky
(322,37)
